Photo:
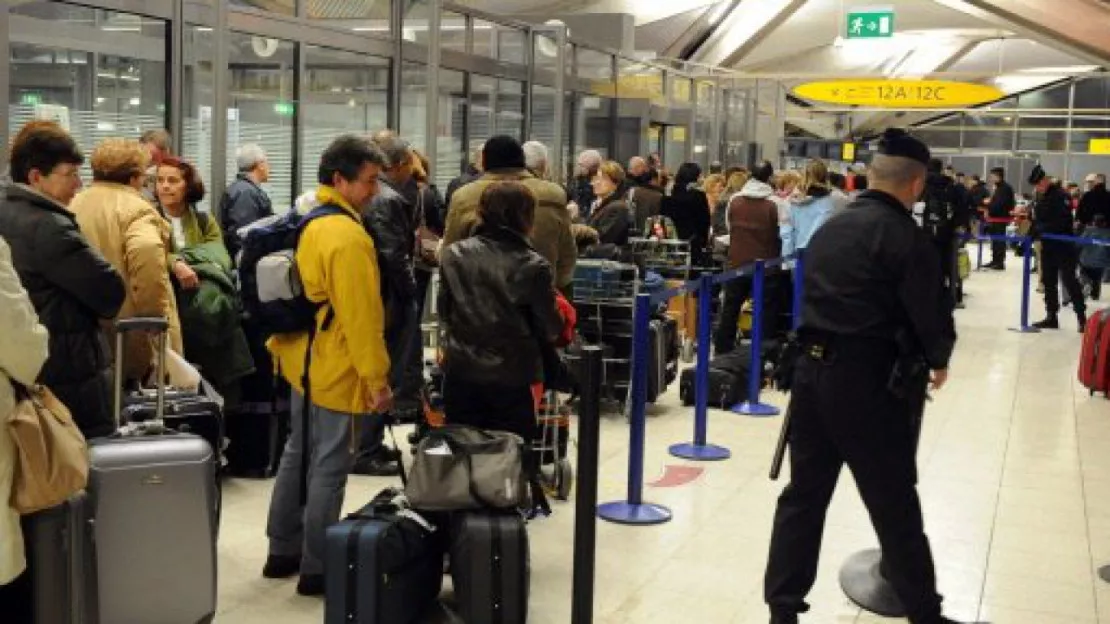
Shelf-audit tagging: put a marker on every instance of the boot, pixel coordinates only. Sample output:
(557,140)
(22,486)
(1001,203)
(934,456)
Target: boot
(1050,322)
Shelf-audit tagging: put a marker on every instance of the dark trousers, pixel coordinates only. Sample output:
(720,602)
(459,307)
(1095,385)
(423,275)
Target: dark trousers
(397,344)
(1094,278)
(998,247)
(843,413)
(1059,262)
(493,407)
(949,267)
(736,293)
(16,601)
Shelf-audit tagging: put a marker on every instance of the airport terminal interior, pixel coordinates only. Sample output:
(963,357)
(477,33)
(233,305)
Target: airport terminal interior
(1014,454)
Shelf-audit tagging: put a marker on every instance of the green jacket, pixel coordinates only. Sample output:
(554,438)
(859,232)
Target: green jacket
(211,318)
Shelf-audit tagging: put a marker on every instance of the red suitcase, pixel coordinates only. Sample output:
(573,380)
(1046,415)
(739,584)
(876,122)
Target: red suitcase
(1094,360)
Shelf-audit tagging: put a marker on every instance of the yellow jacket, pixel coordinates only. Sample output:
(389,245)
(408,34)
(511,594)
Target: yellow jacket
(134,239)
(338,265)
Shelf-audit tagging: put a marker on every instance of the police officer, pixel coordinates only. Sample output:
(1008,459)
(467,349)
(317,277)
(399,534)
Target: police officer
(1052,215)
(876,329)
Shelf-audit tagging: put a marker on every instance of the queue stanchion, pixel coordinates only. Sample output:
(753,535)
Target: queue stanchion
(979,238)
(752,407)
(633,510)
(700,449)
(799,268)
(1026,273)
(585,503)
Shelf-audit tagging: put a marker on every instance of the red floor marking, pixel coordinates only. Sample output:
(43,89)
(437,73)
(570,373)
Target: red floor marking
(674,476)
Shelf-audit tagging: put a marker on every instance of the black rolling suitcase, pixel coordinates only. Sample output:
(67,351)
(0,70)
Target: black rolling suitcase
(199,413)
(257,428)
(490,567)
(60,562)
(382,566)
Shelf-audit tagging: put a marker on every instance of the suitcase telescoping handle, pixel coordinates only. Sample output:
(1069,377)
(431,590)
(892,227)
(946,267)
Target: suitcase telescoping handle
(151,324)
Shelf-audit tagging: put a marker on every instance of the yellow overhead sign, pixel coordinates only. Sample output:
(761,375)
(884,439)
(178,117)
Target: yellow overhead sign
(898,93)
(1099,146)
(848,152)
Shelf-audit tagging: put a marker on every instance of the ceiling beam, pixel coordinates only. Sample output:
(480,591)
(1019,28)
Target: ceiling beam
(1074,26)
(744,28)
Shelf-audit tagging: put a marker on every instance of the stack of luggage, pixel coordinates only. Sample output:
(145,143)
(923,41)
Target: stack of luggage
(385,563)
(152,497)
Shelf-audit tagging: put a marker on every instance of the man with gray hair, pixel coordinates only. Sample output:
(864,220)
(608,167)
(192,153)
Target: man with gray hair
(535,159)
(876,330)
(391,219)
(245,202)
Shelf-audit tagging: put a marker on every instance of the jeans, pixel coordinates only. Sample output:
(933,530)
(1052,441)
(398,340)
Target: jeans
(299,531)
(398,343)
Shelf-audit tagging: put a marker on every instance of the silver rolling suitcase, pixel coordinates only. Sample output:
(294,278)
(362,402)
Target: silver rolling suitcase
(153,498)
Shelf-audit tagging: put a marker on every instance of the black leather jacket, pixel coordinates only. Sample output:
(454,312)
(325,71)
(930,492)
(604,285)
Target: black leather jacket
(497,303)
(1051,215)
(391,220)
(244,203)
(72,288)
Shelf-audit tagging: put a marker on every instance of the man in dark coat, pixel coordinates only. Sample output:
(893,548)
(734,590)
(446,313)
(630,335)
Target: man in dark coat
(1059,259)
(876,328)
(72,287)
(245,202)
(1095,202)
(999,208)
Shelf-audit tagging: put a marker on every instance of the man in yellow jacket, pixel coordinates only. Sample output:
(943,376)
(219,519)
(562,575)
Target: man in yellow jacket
(349,370)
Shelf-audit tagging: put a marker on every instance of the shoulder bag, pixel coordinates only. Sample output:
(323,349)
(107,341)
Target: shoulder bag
(52,461)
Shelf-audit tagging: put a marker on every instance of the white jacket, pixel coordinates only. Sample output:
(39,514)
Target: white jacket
(23,343)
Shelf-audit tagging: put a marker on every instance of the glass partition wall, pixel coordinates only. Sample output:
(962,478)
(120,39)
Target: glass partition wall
(290,75)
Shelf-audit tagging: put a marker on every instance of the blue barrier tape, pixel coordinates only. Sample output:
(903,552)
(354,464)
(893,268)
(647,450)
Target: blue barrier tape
(663,296)
(1078,240)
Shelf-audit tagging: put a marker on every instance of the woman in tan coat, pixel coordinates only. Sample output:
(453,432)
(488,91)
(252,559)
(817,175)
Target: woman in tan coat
(134,238)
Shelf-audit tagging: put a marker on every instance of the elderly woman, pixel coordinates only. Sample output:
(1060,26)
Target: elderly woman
(128,232)
(207,296)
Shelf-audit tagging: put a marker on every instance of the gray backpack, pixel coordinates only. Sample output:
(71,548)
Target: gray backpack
(458,467)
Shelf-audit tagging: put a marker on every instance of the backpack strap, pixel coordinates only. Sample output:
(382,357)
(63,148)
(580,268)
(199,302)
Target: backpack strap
(306,412)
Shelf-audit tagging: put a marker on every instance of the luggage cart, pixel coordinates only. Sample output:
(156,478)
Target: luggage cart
(604,297)
(550,448)
(668,258)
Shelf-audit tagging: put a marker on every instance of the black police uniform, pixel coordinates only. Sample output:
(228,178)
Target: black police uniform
(1059,259)
(1002,203)
(871,276)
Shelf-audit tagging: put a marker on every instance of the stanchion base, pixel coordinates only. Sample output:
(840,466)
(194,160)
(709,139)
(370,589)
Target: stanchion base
(864,584)
(1029,329)
(624,512)
(748,408)
(700,452)
(1104,573)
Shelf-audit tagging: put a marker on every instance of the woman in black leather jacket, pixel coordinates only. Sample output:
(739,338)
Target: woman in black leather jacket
(497,303)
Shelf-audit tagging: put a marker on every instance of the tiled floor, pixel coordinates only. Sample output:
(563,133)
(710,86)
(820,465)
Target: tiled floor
(1015,481)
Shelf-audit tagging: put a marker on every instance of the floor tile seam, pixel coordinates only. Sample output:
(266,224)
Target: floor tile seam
(1086,515)
(1001,478)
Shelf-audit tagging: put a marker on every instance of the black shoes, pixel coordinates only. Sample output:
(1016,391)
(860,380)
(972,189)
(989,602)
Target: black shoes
(311,585)
(1082,318)
(995,266)
(382,464)
(281,566)
(1049,323)
(784,619)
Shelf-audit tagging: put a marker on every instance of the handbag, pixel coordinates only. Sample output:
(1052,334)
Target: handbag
(52,461)
(459,467)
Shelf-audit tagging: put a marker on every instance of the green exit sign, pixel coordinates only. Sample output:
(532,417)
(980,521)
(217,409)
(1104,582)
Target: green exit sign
(870,23)
(285,109)
(30,99)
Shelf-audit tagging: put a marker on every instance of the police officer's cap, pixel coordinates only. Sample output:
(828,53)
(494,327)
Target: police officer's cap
(1037,174)
(898,142)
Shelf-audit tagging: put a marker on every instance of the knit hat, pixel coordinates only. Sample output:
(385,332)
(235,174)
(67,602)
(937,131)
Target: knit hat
(502,152)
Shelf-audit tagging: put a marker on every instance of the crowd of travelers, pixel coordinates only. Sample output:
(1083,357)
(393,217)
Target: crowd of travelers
(505,240)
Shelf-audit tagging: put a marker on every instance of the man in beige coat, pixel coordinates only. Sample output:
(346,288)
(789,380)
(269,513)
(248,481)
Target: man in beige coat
(134,239)
(504,159)
(22,354)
